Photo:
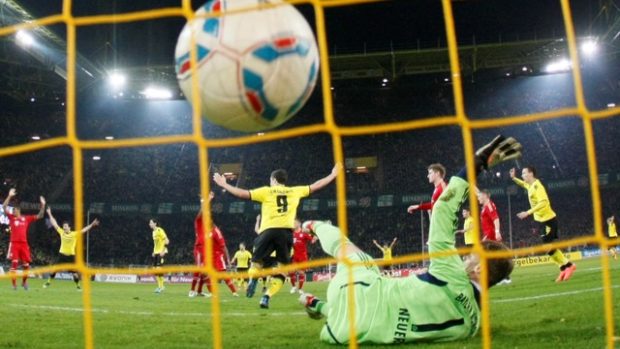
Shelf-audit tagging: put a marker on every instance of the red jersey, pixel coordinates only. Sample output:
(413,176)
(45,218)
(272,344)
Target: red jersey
(300,244)
(200,236)
(219,244)
(428,206)
(487,216)
(19,227)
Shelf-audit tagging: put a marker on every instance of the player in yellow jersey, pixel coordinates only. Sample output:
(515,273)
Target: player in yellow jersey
(160,249)
(242,259)
(543,214)
(68,241)
(613,234)
(468,228)
(278,210)
(386,249)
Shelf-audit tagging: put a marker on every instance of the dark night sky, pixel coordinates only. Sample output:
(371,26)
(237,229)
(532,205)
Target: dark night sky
(349,28)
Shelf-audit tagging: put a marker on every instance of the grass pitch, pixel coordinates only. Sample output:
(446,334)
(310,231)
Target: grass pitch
(532,312)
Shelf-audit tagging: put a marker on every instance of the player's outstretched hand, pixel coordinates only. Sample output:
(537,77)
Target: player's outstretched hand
(12,192)
(412,208)
(42,200)
(513,172)
(219,179)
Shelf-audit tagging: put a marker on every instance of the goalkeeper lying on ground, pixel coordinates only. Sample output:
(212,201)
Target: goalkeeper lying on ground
(440,305)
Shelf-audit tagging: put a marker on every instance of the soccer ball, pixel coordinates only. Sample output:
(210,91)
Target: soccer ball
(255,69)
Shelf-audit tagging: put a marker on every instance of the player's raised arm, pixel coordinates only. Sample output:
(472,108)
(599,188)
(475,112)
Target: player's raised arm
(377,244)
(393,243)
(321,183)
(238,192)
(53,221)
(10,195)
(41,213)
(87,228)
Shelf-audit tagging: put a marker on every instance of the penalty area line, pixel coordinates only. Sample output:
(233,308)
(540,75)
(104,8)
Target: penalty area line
(550,295)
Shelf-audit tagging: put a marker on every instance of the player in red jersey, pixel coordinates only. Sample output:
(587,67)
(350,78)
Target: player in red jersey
(489,220)
(221,258)
(19,251)
(436,174)
(300,255)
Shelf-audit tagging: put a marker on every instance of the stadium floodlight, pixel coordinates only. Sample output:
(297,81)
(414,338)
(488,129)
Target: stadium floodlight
(117,80)
(96,157)
(561,65)
(524,69)
(611,105)
(32,99)
(153,92)
(385,80)
(589,47)
(35,138)
(24,38)
(109,138)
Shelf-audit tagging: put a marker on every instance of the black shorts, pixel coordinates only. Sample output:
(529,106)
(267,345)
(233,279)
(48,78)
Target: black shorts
(158,260)
(62,258)
(273,239)
(549,230)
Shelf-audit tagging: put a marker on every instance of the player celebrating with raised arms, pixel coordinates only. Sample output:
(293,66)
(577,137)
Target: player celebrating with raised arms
(19,250)
(439,305)
(68,242)
(278,210)
(544,215)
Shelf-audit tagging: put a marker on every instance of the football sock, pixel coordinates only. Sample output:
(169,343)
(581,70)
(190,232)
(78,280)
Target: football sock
(558,257)
(160,281)
(14,269)
(26,268)
(195,280)
(293,278)
(51,277)
(201,283)
(76,278)
(231,285)
(302,279)
(276,284)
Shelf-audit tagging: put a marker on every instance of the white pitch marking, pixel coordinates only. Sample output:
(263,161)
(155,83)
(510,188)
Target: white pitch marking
(550,295)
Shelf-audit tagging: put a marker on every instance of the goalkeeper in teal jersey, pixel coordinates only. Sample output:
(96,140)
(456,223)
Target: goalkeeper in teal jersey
(439,305)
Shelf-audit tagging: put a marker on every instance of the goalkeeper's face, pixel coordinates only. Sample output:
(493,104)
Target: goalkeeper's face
(472,265)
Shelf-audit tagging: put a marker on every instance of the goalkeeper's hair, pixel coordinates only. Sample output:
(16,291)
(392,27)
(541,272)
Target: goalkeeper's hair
(498,268)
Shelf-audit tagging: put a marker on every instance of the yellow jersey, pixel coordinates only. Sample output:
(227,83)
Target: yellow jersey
(611,230)
(387,253)
(278,205)
(159,240)
(539,201)
(468,227)
(68,242)
(243,258)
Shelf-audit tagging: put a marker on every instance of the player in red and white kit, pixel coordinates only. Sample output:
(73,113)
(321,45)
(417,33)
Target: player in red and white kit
(436,174)
(300,255)
(489,220)
(19,251)
(220,256)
